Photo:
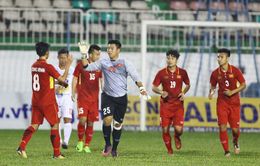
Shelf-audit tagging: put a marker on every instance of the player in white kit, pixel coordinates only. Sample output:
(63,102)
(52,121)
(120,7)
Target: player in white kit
(63,96)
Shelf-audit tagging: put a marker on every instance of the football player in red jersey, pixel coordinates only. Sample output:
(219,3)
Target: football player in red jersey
(230,81)
(44,103)
(87,85)
(171,80)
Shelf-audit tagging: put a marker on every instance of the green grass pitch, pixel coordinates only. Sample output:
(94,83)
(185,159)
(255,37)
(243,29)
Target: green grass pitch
(135,148)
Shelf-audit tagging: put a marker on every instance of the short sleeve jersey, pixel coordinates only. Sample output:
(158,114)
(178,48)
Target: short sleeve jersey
(172,82)
(228,80)
(88,83)
(43,75)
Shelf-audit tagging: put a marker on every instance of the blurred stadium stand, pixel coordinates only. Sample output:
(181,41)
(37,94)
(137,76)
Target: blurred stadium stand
(65,22)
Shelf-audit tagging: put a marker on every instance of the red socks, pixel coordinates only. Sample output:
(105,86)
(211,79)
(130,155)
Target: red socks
(81,131)
(223,136)
(167,141)
(27,135)
(89,135)
(236,136)
(55,140)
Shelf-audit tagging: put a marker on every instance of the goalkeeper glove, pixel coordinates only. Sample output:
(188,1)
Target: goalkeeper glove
(83,47)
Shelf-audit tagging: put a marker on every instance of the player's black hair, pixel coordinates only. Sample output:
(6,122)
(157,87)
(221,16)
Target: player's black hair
(63,51)
(41,48)
(93,47)
(224,50)
(173,53)
(116,42)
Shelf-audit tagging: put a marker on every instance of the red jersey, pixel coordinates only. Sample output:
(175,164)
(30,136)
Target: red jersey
(43,75)
(88,83)
(227,80)
(172,82)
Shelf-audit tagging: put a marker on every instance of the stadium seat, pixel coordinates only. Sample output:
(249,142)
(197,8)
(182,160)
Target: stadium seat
(37,27)
(133,29)
(203,16)
(76,28)
(96,28)
(81,4)
(235,6)
(223,16)
(254,6)
(128,17)
(63,4)
(157,5)
(49,15)
(56,27)
(31,15)
(100,4)
(139,5)
(11,15)
(115,28)
(42,4)
(196,5)
(217,6)
(185,16)
(119,4)
(23,3)
(6,3)
(147,16)
(91,17)
(18,27)
(108,17)
(242,18)
(2,27)
(179,5)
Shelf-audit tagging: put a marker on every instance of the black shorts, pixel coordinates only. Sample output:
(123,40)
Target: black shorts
(113,106)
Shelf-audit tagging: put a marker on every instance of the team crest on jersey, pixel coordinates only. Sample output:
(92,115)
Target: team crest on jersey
(231,75)
(178,76)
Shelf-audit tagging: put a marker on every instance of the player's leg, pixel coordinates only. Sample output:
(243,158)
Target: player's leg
(222,114)
(89,135)
(81,132)
(178,121)
(93,116)
(51,115)
(234,121)
(165,124)
(67,108)
(107,109)
(37,119)
(119,114)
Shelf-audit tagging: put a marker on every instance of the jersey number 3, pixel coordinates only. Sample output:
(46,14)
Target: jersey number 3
(36,82)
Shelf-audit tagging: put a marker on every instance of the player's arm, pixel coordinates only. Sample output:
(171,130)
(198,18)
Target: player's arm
(158,90)
(237,90)
(62,79)
(211,92)
(186,80)
(185,90)
(74,88)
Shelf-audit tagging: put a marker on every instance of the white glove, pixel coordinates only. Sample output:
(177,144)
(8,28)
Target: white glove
(83,47)
(144,94)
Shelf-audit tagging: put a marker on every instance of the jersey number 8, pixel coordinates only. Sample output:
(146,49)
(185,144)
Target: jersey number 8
(36,82)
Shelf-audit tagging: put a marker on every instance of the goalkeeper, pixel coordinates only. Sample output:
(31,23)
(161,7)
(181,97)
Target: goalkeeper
(114,95)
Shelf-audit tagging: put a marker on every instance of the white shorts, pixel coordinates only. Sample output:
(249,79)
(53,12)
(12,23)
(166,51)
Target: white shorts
(65,105)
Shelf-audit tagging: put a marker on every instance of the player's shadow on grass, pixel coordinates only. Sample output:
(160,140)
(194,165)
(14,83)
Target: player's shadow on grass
(193,153)
(247,154)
